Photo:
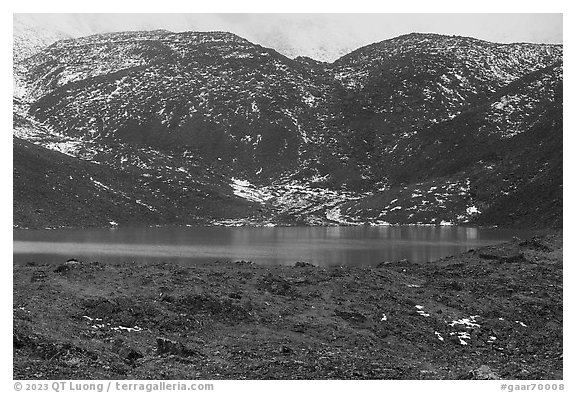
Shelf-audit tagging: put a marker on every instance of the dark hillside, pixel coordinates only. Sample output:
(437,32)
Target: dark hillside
(419,129)
(52,189)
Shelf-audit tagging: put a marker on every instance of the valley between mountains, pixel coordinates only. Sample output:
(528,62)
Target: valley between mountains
(162,128)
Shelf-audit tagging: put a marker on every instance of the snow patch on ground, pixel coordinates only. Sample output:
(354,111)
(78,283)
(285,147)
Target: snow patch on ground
(244,189)
(472,210)
(468,323)
(334,214)
(421,311)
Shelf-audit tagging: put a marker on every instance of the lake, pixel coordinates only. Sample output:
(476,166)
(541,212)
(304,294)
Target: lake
(323,246)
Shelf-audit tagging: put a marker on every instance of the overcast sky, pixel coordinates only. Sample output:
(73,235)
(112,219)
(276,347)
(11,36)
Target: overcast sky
(321,36)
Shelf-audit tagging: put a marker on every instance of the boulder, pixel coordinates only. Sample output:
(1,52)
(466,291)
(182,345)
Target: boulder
(165,346)
(62,269)
(67,266)
(303,264)
(536,243)
(484,373)
(242,262)
(350,316)
(403,262)
(502,253)
(127,353)
(235,295)
(276,285)
(285,350)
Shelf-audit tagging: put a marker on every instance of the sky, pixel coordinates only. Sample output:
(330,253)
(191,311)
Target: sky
(320,36)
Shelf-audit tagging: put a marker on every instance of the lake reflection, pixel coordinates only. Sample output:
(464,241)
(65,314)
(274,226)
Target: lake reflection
(278,245)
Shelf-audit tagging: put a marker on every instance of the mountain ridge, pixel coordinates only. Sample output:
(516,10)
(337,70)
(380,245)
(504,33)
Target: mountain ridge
(317,138)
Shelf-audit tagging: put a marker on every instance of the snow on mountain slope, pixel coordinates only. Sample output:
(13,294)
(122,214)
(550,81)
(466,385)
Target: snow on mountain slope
(29,38)
(208,92)
(516,110)
(401,131)
(398,85)
(481,60)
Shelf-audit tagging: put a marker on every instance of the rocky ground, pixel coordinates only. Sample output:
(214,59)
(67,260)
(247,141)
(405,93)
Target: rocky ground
(494,312)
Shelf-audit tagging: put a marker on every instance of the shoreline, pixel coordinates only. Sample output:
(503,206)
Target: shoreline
(492,312)
(426,244)
(535,229)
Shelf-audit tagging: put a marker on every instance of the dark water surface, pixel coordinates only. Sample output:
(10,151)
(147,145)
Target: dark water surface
(271,246)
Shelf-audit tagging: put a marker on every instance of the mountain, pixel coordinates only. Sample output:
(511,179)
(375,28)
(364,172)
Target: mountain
(498,153)
(398,86)
(30,38)
(213,94)
(52,189)
(322,37)
(421,128)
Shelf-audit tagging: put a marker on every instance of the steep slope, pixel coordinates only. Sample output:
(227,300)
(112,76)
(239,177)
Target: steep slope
(484,133)
(504,157)
(395,87)
(53,189)
(30,39)
(421,129)
(465,60)
(213,94)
